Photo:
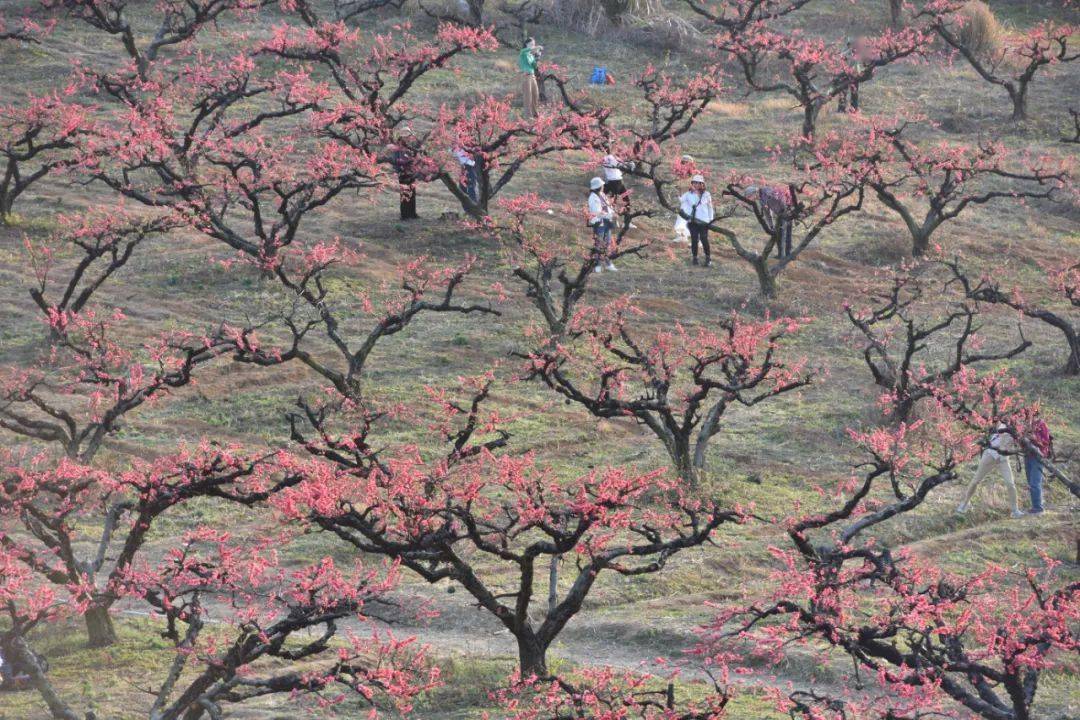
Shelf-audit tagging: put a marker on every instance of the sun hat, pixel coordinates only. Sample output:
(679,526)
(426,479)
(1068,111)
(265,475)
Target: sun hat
(698,179)
(596,183)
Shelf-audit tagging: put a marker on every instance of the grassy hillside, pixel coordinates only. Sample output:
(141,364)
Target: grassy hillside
(773,456)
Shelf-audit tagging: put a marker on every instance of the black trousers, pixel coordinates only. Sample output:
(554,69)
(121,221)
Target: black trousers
(614,188)
(782,235)
(699,233)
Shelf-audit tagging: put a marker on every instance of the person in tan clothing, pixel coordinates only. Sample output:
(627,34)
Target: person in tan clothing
(528,62)
(995,456)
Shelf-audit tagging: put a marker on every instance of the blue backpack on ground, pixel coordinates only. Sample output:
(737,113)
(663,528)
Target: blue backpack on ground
(599,76)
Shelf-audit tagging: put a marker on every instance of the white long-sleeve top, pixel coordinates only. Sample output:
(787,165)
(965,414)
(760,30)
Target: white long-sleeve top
(599,208)
(612,169)
(697,207)
(463,157)
(1001,442)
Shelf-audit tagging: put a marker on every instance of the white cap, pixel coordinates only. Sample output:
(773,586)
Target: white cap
(596,183)
(698,179)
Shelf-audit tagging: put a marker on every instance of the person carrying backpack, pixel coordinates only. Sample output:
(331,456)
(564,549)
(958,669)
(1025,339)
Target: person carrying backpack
(1040,446)
(995,456)
(601,220)
(696,206)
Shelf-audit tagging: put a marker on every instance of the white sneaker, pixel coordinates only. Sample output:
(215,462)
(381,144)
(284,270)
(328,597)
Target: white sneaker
(611,266)
(633,226)
(1019,513)
(598,269)
(961,509)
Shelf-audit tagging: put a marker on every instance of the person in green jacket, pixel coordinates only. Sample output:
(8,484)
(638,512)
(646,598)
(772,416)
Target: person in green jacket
(528,59)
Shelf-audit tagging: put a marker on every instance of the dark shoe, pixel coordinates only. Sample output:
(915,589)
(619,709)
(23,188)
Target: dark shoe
(708,261)
(1038,511)
(693,261)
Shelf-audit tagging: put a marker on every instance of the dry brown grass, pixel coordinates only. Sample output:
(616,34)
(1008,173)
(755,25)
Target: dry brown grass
(979,30)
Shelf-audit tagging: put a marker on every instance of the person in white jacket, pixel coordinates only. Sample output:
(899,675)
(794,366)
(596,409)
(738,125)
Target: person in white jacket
(613,176)
(696,206)
(469,176)
(601,220)
(1001,443)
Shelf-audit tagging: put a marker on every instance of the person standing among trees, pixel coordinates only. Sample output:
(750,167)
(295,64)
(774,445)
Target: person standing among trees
(849,96)
(997,455)
(776,207)
(1040,445)
(601,220)
(528,63)
(613,179)
(696,206)
(469,177)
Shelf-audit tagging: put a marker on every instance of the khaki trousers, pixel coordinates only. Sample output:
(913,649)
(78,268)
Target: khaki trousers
(530,94)
(987,463)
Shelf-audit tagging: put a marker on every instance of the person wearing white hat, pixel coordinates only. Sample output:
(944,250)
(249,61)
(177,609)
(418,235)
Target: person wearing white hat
(601,220)
(697,207)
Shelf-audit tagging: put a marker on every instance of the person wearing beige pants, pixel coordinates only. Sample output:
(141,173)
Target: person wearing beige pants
(529,65)
(991,459)
(530,94)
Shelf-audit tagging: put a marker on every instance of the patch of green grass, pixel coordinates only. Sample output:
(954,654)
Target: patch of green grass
(466,686)
(103,680)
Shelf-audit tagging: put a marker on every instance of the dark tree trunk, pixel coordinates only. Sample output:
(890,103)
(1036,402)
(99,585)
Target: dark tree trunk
(7,191)
(1019,100)
(553,584)
(7,202)
(532,656)
(766,280)
(810,116)
(99,627)
(920,244)
(1072,367)
(896,17)
(902,408)
(684,462)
